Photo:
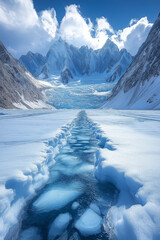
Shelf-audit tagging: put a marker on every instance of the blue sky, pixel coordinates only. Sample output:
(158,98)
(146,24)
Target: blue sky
(33,25)
(118,12)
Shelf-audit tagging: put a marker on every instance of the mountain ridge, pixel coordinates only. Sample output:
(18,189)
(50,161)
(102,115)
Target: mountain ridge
(80,61)
(18,88)
(139,87)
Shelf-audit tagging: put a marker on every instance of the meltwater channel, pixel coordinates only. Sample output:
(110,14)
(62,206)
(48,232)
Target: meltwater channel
(73,205)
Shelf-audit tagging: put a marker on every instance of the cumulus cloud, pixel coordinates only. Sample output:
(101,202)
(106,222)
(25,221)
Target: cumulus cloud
(74,28)
(18,13)
(103,25)
(133,36)
(102,32)
(78,31)
(23,29)
(49,22)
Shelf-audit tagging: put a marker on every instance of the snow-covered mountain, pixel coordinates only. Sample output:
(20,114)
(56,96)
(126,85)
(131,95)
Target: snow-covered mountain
(18,88)
(139,88)
(79,61)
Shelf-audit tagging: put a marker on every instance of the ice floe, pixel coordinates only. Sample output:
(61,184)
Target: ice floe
(58,196)
(59,225)
(30,234)
(89,223)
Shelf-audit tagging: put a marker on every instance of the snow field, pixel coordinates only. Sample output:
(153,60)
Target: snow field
(131,163)
(29,142)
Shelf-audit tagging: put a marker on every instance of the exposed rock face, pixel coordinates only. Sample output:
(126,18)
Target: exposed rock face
(81,61)
(66,76)
(17,85)
(33,62)
(139,87)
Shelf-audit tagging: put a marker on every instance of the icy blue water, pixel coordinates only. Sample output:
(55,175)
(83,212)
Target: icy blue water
(72,193)
(77,96)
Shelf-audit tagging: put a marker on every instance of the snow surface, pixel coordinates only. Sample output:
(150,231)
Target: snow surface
(130,159)
(59,225)
(141,97)
(89,223)
(29,140)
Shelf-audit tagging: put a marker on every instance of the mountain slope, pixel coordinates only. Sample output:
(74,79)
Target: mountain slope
(139,88)
(82,61)
(33,62)
(18,88)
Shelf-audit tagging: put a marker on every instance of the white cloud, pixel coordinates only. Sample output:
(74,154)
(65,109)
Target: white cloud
(49,22)
(103,25)
(74,28)
(133,36)
(102,32)
(77,30)
(18,13)
(23,30)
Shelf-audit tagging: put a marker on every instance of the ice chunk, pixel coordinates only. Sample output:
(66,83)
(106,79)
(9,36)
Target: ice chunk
(58,196)
(59,225)
(72,170)
(30,234)
(95,208)
(68,159)
(75,205)
(89,223)
(75,236)
(64,236)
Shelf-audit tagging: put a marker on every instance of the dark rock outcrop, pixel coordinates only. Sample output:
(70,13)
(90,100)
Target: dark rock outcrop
(66,76)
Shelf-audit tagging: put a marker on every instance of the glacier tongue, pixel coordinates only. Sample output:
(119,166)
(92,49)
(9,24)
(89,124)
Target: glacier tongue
(84,93)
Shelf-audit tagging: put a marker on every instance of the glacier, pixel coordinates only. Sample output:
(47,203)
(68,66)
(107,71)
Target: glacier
(32,143)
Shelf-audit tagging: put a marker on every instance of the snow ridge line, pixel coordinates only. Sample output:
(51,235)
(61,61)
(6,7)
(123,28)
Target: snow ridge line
(128,188)
(17,191)
(105,172)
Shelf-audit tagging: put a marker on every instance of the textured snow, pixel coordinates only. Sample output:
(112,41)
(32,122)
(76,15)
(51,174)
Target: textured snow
(59,225)
(57,197)
(29,141)
(32,105)
(89,223)
(143,97)
(131,163)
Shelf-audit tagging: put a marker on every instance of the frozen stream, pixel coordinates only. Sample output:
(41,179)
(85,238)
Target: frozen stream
(73,204)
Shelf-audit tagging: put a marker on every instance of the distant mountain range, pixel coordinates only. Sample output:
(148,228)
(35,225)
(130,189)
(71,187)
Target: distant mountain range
(63,58)
(139,88)
(18,88)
